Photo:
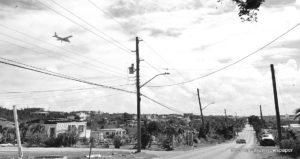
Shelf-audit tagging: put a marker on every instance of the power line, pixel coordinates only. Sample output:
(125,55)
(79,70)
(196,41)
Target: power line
(90,25)
(163,105)
(68,51)
(43,71)
(96,6)
(65,101)
(51,55)
(239,60)
(85,28)
(31,68)
(165,61)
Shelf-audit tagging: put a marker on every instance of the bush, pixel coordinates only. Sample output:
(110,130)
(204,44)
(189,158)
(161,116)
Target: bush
(66,140)
(291,144)
(35,140)
(167,144)
(145,139)
(117,142)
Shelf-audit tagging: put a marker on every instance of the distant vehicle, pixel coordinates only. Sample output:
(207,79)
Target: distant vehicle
(267,140)
(240,141)
(65,39)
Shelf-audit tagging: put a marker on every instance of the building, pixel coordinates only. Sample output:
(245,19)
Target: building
(54,127)
(295,127)
(101,134)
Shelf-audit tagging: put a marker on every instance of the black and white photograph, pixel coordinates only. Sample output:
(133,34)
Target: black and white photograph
(149,79)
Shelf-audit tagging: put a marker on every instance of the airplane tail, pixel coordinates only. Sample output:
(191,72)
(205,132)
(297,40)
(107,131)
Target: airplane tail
(55,35)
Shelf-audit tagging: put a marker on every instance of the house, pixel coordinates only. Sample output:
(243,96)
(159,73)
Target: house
(105,133)
(295,127)
(54,127)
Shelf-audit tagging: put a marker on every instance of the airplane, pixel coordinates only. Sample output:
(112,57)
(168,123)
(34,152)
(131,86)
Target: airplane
(65,39)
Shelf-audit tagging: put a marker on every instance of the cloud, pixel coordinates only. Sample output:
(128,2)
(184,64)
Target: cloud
(172,32)
(128,8)
(24,4)
(225,60)
(193,36)
(278,3)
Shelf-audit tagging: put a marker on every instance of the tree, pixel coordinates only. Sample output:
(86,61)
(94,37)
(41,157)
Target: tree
(248,9)
(145,137)
(153,127)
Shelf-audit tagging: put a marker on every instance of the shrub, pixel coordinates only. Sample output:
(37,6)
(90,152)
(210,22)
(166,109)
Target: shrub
(167,144)
(35,140)
(117,142)
(291,144)
(51,142)
(66,140)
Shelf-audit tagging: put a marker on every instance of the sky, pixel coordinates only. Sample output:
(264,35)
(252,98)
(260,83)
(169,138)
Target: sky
(189,39)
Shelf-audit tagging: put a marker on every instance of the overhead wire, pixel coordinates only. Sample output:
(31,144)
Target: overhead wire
(82,81)
(96,6)
(64,8)
(61,48)
(65,101)
(91,66)
(163,105)
(44,71)
(165,61)
(236,62)
(87,29)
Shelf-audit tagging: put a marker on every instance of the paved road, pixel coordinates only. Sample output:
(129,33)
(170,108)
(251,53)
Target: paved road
(222,151)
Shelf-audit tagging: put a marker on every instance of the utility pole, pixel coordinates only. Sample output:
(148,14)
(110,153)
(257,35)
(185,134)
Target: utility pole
(261,116)
(202,118)
(236,126)
(276,103)
(18,132)
(225,117)
(138,95)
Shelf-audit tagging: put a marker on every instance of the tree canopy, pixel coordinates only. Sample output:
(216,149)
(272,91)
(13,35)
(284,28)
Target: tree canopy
(248,9)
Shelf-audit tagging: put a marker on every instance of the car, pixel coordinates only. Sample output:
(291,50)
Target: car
(240,141)
(267,140)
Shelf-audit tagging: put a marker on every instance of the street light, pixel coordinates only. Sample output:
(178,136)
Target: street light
(139,105)
(208,105)
(166,73)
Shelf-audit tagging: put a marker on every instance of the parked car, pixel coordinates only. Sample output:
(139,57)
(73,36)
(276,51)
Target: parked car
(267,140)
(240,141)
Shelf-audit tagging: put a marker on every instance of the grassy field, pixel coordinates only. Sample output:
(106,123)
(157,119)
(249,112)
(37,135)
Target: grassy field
(71,153)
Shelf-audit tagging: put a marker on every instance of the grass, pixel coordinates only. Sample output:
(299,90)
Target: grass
(80,154)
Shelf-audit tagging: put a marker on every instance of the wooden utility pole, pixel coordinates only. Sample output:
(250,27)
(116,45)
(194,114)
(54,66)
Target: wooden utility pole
(18,132)
(261,116)
(138,95)
(236,126)
(202,118)
(225,117)
(276,103)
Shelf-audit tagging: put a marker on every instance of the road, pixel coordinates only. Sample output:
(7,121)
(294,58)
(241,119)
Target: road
(222,151)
